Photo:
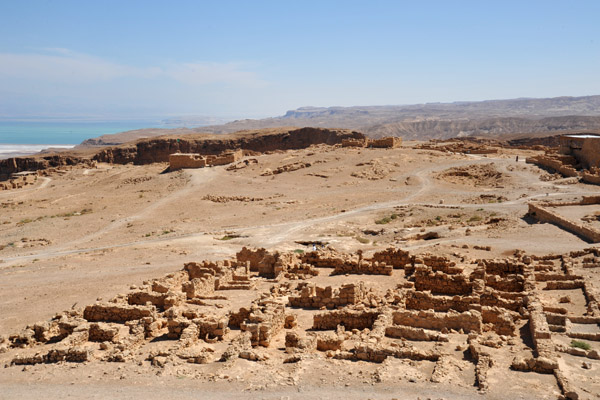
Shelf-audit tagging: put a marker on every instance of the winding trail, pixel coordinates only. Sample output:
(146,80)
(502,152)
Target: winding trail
(198,177)
(16,193)
(274,234)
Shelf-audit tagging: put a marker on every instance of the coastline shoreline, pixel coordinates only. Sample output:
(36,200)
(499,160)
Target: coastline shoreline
(10,150)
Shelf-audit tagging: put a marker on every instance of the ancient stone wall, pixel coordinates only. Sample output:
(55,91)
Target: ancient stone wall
(354,143)
(440,282)
(469,321)
(252,256)
(13,165)
(186,160)
(363,267)
(265,319)
(502,321)
(350,319)
(17,182)
(185,308)
(559,163)
(586,151)
(588,177)
(108,312)
(416,300)
(397,258)
(502,267)
(349,264)
(386,142)
(545,214)
(313,296)
(195,160)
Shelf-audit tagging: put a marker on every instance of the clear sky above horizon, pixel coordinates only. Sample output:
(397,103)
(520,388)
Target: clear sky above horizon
(152,59)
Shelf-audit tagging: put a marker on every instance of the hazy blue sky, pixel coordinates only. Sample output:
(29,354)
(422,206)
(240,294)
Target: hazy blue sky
(260,58)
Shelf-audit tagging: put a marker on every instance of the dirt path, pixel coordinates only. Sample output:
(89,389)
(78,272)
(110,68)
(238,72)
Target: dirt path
(272,235)
(198,178)
(16,193)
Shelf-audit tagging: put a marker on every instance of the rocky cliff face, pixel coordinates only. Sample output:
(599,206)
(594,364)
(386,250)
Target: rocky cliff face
(18,164)
(158,149)
(490,127)
(147,151)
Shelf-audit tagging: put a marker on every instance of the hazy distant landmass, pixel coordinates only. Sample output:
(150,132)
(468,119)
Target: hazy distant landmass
(418,121)
(194,120)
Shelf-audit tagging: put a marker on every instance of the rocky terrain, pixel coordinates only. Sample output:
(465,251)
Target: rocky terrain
(320,270)
(147,151)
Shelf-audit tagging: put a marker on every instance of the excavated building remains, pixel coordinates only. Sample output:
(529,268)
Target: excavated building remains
(19,180)
(388,142)
(545,211)
(576,156)
(436,306)
(194,160)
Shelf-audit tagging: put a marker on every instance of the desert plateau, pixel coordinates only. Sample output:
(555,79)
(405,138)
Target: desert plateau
(301,263)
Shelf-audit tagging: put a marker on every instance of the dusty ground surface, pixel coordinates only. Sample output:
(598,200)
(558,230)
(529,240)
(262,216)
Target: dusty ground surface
(87,234)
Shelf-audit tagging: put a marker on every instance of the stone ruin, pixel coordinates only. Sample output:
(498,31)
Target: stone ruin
(19,180)
(195,160)
(545,211)
(461,145)
(486,308)
(576,156)
(389,142)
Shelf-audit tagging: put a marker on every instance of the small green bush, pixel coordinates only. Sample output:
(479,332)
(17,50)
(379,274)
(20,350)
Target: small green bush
(362,240)
(229,237)
(386,220)
(580,345)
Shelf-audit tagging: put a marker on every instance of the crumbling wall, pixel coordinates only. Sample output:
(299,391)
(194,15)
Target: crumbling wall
(187,325)
(224,275)
(363,267)
(354,143)
(544,214)
(266,318)
(417,300)
(186,160)
(253,256)
(313,296)
(386,142)
(224,158)
(440,282)
(397,258)
(195,160)
(347,263)
(560,163)
(502,267)
(469,321)
(110,312)
(17,182)
(350,319)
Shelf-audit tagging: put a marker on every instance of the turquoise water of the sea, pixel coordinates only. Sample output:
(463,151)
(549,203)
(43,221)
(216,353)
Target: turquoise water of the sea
(65,133)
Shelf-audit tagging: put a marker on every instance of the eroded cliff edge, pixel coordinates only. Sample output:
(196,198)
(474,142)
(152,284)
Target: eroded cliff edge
(158,149)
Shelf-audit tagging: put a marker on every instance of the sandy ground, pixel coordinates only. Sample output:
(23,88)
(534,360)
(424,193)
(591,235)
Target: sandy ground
(84,234)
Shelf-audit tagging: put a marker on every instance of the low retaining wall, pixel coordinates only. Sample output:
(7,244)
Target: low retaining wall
(554,163)
(193,160)
(469,321)
(543,214)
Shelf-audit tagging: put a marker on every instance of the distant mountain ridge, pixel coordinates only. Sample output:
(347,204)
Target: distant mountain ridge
(420,121)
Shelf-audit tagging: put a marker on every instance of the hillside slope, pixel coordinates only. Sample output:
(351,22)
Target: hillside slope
(419,121)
